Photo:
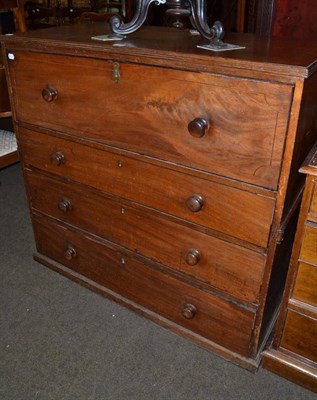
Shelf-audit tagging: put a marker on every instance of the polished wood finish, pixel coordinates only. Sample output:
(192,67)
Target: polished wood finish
(4,98)
(5,112)
(313,205)
(300,334)
(57,158)
(265,17)
(49,94)
(167,46)
(65,205)
(287,18)
(228,106)
(135,177)
(116,269)
(189,311)
(304,290)
(95,16)
(18,12)
(5,108)
(292,368)
(309,245)
(159,175)
(241,15)
(220,264)
(9,159)
(17,6)
(195,203)
(192,257)
(294,350)
(197,127)
(292,19)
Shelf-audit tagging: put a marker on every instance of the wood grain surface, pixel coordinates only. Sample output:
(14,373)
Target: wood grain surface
(232,269)
(152,186)
(216,319)
(247,120)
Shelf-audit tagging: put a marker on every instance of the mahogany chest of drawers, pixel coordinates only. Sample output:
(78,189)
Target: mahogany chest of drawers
(165,177)
(294,350)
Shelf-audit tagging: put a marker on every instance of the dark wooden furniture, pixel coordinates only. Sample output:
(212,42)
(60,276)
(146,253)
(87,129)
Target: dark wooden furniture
(287,18)
(4,97)
(8,147)
(95,17)
(47,13)
(17,6)
(265,17)
(165,176)
(121,7)
(43,15)
(294,350)
(295,19)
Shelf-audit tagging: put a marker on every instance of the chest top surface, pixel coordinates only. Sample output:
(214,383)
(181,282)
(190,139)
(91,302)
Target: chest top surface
(278,57)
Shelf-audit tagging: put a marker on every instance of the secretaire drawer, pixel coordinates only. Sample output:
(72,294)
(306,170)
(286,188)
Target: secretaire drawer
(228,267)
(226,209)
(313,204)
(300,333)
(203,313)
(228,126)
(305,284)
(309,245)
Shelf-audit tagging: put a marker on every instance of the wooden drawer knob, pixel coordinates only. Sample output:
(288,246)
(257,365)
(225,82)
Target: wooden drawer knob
(189,311)
(195,203)
(57,158)
(65,205)
(49,94)
(198,127)
(70,253)
(192,257)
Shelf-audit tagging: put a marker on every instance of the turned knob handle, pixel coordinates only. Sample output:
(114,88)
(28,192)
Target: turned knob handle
(70,253)
(189,311)
(192,257)
(195,203)
(49,94)
(198,127)
(65,205)
(57,158)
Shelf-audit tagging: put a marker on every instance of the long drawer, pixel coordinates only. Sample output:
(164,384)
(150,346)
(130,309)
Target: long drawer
(220,207)
(227,126)
(230,268)
(203,313)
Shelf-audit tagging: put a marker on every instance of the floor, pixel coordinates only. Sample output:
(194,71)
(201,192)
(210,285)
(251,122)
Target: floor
(61,341)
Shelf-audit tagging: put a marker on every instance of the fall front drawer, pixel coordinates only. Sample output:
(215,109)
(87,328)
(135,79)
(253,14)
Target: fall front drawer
(233,269)
(220,207)
(231,127)
(117,270)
